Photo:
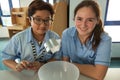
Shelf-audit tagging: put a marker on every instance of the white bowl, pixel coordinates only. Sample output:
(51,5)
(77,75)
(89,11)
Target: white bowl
(58,70)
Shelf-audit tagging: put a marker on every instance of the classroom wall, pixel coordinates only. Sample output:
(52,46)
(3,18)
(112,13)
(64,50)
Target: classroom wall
(25,3)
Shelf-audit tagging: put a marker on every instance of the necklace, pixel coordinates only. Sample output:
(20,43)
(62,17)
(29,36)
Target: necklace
(41,55)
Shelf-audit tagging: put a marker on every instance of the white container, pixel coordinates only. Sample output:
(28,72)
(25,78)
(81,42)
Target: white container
(58,70)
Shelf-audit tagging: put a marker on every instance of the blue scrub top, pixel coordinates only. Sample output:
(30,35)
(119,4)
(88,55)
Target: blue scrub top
(83,54)
(20,46)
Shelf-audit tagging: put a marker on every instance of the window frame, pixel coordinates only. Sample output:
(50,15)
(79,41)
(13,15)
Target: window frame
(2,15)
(110,23)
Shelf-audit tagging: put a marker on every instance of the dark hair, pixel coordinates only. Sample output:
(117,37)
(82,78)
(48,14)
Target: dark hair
(39,5)
(99,27)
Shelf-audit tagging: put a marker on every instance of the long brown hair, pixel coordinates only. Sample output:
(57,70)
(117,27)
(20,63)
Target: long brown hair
(99,27)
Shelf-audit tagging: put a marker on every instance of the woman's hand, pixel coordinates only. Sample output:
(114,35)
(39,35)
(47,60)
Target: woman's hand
(22,65)
(35,65)
(28,65)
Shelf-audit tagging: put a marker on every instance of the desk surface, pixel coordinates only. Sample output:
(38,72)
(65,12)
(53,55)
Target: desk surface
(112,74)
(12,75)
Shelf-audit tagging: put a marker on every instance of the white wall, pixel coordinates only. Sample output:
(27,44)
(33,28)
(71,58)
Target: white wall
(25,3)
(4,32)
(116,50)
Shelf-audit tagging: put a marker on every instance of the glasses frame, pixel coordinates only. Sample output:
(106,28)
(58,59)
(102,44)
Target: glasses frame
(39,21)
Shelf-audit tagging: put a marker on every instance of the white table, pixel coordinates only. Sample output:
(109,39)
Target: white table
(112,74)
(12,75)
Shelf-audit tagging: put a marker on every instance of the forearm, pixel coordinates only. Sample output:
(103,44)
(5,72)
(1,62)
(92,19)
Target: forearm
(96,72)
(10,64)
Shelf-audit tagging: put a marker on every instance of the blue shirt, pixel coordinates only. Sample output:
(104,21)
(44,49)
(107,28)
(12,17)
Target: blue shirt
(83,54)
(20,46)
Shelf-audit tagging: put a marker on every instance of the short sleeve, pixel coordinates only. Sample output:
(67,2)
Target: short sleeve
(103,54)
(10,50)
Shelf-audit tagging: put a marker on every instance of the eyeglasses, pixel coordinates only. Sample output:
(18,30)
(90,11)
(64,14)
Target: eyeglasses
(39,21)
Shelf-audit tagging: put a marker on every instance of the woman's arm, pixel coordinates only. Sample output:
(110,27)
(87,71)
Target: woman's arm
(23,65)
(96,72)
(11,64)
(17,66)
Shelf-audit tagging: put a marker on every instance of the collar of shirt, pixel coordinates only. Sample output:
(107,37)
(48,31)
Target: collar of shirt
(31,38)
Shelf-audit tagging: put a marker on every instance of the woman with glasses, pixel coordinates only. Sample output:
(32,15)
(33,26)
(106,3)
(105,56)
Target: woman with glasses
(26,49)
(86,44)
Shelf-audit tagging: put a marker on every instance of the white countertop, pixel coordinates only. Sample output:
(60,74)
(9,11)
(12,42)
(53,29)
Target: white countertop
(12,75)
(112,74)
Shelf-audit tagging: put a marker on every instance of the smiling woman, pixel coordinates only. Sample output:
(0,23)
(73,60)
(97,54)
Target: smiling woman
(82,44)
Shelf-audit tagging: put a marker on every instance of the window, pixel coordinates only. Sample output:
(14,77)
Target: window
(45,0)
(5,7)
(112,19)
(50,1)
(16,3)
